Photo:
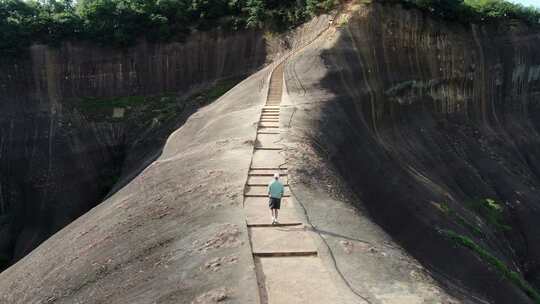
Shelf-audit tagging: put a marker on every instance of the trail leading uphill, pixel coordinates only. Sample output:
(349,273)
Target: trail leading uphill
(288,267)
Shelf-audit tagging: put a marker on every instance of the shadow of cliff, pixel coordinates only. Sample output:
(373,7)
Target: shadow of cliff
(436,116)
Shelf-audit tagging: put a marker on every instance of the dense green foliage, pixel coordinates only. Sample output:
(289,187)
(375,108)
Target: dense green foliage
(121,22)
(467,11)
(148,109)
(486,256)
(491,211)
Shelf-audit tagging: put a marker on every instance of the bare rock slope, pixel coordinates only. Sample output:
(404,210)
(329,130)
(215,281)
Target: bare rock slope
(175,234)
(412,150)
(76,119)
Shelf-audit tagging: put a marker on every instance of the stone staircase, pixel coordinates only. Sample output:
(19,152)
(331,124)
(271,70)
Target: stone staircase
(287,262)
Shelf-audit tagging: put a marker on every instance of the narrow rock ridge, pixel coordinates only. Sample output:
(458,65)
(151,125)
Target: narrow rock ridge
(287,264)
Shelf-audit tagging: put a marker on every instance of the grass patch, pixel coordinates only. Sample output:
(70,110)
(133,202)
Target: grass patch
(445,208)
(477,231)
(219,89)
(491,211)
(139,107)
(148,110)
(92,103)
(513,276)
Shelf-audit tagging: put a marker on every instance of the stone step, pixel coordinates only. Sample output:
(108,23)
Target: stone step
(268,223)
(276,148)
(281,241)
(268,139)
(261,194)
(298,280)
(269,125)
(267,172)
(264,180)
(267,159)
(262,191)
(258,213)
(284,254)
(261,203)
(268,131)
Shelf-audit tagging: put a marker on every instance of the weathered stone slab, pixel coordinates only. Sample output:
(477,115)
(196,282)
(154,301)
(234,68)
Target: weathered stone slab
(282,240)
(260,215)
(268,140)
(268,124)
(268,131)
(267,172)
(264,180)
(297,280)
(267,159)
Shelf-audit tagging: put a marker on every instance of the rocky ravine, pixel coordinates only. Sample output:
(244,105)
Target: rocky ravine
(76,120)
(174,234)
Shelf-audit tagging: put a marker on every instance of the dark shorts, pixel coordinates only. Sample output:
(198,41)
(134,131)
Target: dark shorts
(274,203)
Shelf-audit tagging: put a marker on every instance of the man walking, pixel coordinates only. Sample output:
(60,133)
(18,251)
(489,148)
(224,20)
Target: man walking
(275,193)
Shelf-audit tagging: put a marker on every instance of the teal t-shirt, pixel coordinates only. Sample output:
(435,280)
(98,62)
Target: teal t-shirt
(275,189)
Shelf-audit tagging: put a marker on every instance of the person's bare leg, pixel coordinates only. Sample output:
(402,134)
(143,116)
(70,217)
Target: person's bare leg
(276,210)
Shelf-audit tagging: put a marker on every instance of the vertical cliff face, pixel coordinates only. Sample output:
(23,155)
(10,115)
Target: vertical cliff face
(434,126)
(75,120)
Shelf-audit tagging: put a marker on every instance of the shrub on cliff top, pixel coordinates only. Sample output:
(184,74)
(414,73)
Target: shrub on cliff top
(121,22)
(467,11)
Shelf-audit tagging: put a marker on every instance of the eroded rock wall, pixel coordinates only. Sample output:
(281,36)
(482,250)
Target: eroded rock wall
(425,118)
(56,162)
